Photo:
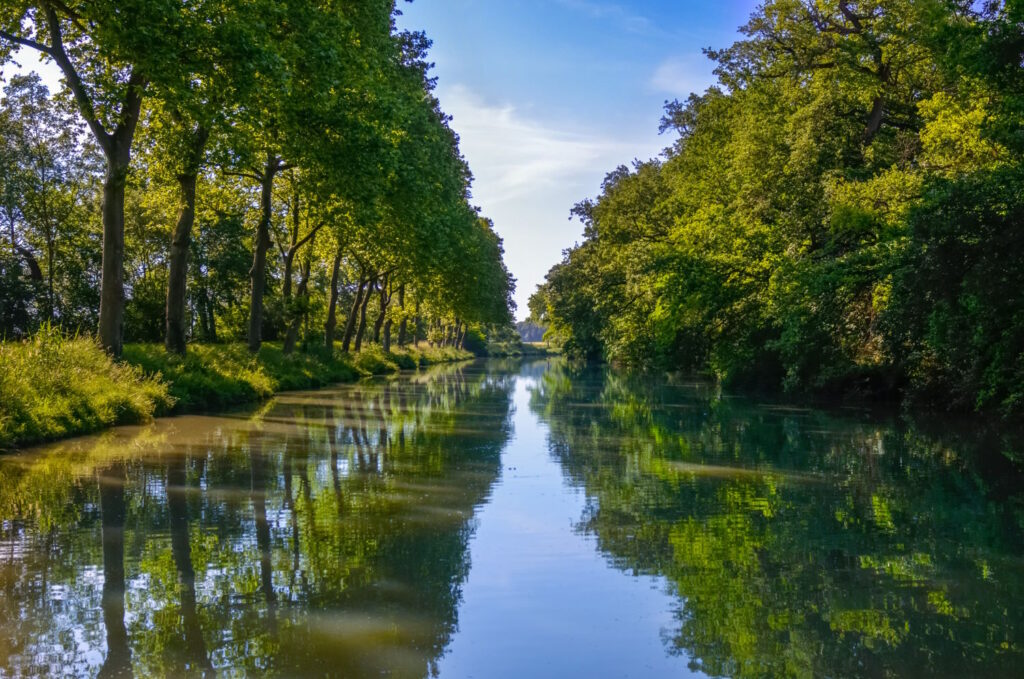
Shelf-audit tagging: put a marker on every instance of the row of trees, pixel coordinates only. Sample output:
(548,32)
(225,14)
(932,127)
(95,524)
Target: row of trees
(236,169)
(843,212)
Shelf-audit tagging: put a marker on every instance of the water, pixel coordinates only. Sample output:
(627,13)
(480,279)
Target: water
(516,520)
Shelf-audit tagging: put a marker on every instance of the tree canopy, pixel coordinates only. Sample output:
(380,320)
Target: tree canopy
(196,150)
(840,213)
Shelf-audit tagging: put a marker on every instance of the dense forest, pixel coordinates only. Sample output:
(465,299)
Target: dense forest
(231,170)
(841,213)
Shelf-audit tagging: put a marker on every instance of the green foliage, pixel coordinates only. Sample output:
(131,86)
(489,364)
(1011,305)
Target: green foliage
(143,314)
(253,145)
(16,289)
(839,216)
(956,319)
(52,386)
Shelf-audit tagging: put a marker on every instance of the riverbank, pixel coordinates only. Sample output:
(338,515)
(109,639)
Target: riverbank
(53,387)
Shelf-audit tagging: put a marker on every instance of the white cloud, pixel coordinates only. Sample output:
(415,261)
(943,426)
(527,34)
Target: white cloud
(513,155)
(529,172)
(603,10)
(681,76)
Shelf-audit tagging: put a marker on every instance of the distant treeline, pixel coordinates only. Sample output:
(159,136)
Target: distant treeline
(843,212)
(235,169)
(530,332)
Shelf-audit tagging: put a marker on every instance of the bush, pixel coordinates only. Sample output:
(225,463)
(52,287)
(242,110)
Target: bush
(144,311)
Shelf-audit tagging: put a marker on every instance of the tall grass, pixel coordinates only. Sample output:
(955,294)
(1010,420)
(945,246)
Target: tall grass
(215,376)
(53,386)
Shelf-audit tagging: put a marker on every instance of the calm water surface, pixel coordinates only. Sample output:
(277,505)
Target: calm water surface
(516,520)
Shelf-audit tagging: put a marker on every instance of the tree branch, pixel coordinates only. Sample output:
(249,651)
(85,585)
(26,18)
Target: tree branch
(82,97)
(247,175)
(26,42)
(74,16)
(280,248)
(305,239)
(131,107)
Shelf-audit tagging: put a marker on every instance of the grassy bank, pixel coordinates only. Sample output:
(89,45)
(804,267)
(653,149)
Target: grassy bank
(52,387)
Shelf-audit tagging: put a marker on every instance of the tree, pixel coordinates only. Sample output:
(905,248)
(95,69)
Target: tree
(777,243)
(375,214)
(108,53)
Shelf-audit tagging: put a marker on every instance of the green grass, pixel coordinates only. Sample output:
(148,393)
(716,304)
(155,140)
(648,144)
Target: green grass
(216,376)
(52,387)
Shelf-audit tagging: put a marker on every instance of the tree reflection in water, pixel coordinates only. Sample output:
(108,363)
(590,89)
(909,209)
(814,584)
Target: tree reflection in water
(799,543)
(326,532)
(112,512)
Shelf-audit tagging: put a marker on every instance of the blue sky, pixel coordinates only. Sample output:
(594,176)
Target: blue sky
(548,96)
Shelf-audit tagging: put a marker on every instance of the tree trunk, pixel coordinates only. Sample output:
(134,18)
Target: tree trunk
(296,318)
(293,316)
(174,337)
(50,301)
(332,307)
(14,239)
(875,119)
(111,323)
(384,300)
(353,316)
(258,272)
(386,342)
(403,325)
(34,272)
(116,146)
(204,322)
(177,278)
(205,312)
(211,318)
(286,279)
(416,325)
(877,115)
(362,315)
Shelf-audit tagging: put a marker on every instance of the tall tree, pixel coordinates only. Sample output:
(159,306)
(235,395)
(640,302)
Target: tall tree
(108,53)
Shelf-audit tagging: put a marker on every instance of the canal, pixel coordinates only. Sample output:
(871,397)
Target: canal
(511,519)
